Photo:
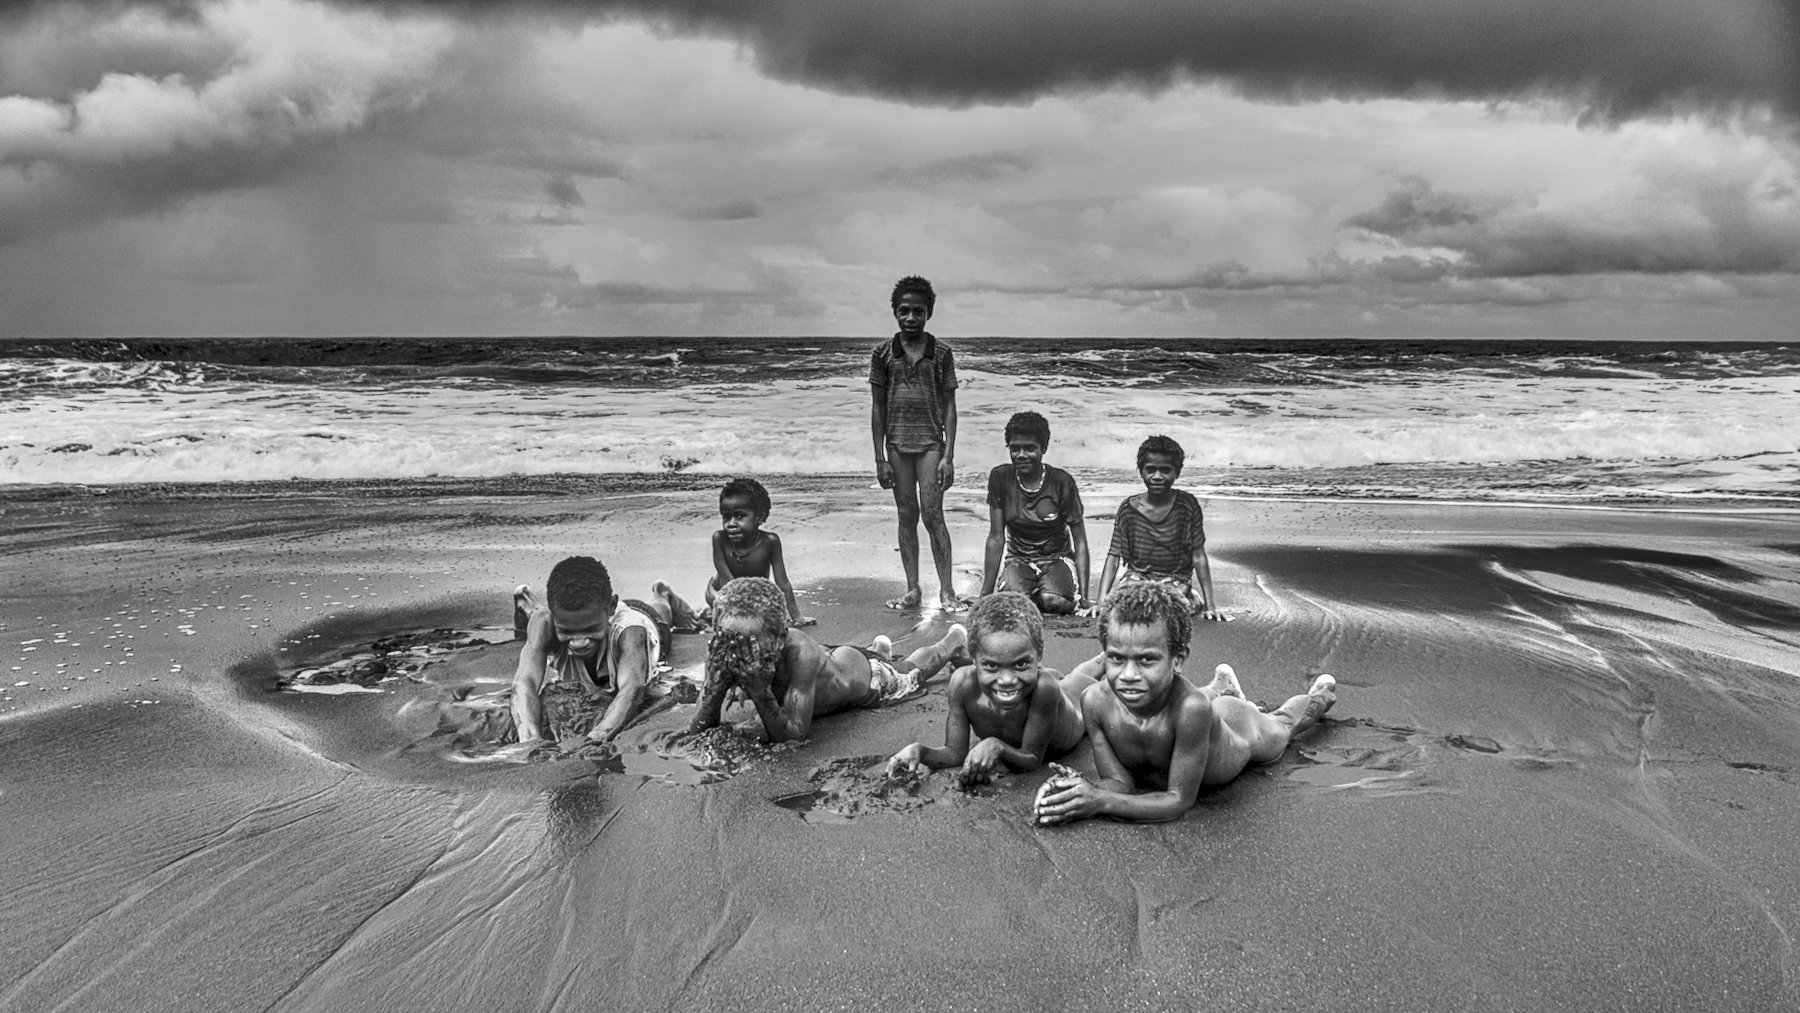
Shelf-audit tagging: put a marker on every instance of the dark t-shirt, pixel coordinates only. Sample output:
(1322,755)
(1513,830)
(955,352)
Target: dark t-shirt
(1037,523)
(1163,547)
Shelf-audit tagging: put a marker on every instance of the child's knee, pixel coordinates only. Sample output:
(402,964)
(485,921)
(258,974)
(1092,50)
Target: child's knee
(1054,604)
(932,514)
(909,513)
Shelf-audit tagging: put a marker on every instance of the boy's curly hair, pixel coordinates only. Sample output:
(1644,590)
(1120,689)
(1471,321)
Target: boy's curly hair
(914,283)
(1029,424)
(1160,444)
(752,598)
(1006,612)
(750,489)
(1146,603)
(578,582)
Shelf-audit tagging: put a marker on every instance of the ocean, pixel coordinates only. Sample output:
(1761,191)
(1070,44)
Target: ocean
(1548,422)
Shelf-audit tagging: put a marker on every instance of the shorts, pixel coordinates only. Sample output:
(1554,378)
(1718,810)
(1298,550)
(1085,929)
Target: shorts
(1032,577)
(890,683)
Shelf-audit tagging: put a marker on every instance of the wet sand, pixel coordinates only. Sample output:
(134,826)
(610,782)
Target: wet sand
(1560,774)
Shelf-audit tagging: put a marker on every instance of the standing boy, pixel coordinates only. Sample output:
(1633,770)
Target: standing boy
(1159,535)
(1158,739)
(912,422)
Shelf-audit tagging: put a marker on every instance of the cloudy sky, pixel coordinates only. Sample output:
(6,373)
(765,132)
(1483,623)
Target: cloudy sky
(1611,168)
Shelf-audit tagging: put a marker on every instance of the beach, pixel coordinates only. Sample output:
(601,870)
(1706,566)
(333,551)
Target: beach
(1559,774)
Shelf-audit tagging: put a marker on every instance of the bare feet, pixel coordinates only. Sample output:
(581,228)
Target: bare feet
(1320,696)
(1225,682)
(957,639)
(909,600)
(883,646)
(681,616)
(948,601)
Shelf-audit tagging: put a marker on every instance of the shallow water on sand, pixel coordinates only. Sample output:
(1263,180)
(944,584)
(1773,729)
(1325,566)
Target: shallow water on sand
(1553,730)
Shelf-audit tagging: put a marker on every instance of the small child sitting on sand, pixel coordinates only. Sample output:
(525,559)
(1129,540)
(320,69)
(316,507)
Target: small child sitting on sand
(1019,711)
(1157,738)
(791,678)
(741,548)
(585,647)
(1158,534)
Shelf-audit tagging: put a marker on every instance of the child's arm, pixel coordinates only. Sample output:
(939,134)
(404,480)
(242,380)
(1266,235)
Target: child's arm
(721,566)
(995,551)
(1033,744)
(956,732)
(778,573)
(1115,795)
(790,718)
(1202,578)
(1078,543)
(631,674)
(1108,576)
(528,678)
(884,472)
(712,701)
(947,463)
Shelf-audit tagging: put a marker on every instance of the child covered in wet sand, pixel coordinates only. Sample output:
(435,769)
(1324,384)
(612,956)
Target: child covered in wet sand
(791,678)
(741,548)
(1158,739)
(1018,711)
(584,647)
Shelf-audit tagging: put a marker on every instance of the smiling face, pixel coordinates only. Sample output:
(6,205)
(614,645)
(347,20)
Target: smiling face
(1140,666)
(1159,472)
(911,312)
(1027,456)
(582,630)
(738,519)
(1006,665)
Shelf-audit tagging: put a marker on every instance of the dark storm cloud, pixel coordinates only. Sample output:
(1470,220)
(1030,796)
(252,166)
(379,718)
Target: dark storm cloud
(1616,56)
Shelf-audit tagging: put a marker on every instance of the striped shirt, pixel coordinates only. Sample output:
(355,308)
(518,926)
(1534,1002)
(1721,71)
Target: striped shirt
(917,395)
(1165,547)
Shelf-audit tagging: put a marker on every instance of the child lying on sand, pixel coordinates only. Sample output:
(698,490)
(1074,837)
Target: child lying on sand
(1018,710)
(585,645)
(741,548)
(1158,739)
(791,678)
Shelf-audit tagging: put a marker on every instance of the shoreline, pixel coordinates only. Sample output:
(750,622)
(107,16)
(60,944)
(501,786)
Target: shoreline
(571,484)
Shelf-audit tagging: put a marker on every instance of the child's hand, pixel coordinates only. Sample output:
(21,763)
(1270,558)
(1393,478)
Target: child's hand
(946,473)
(1064,799)
(884,473)
(905,763)
(978,766)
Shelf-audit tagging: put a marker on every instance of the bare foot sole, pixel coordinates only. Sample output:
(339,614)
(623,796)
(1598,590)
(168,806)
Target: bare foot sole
(909,600)
(681,616)
(1225,682)
(958,639)
(883,646)
(1323,694)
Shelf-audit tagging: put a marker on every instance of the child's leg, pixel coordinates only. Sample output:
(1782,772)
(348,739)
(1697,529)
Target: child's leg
(1056,588)
(929,659)
(906,504)
(1266,736)
(673,609)
(931,510)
